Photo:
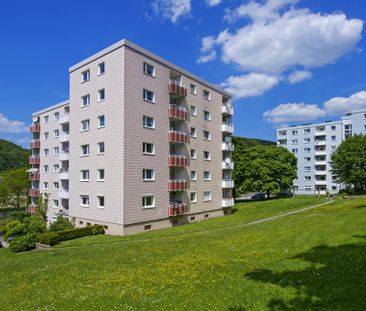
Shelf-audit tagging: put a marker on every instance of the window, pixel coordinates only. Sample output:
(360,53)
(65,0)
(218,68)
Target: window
(149,70)
(193,132)
(193,89)
(306,149)
(193,197)
(84,175)
(307,159)
(45,135)
(193,154)
(206,155)
(45,152)
(101,121)
(294,132)
(307,168)
(45,168)
(56,116)
(206,135)
(56,133)
(333,127)
(148,122)
(294,151)
(148,174)
(45,185)
(206,115)
(206,196)
(85,75)
(101,148)
(85,100)
(193,175)
(45,119)
(85,150)
(206,95)
(306,140)
(334,138)
(333,147)
(306,131)
(149,96)
(101,95)
(364,127)
(84,200)
(56,150)
(55,203)
(193,111)
(294,141)
(148,201)
(85,125)
(100,201)
(307,188)
(55,185)
(100,174)
(206,175)
(148,148)
(307,178)
(101,68)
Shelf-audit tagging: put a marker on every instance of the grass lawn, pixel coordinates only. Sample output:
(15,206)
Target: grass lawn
(315,260)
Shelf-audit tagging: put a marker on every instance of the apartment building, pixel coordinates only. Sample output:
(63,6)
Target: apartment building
(313,144)
(142,145)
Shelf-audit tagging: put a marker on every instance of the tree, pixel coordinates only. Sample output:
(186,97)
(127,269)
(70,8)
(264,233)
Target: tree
(263,168)
(42,207)
(348,161)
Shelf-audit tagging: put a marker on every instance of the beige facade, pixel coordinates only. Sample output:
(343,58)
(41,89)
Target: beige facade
(149,143)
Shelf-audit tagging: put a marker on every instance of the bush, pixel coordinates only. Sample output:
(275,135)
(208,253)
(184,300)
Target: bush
(14,228)
(21,216)
(23,243)
(35,224)
(61,224)
(53,238)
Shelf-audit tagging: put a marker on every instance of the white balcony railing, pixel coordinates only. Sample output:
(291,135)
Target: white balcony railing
(227,127)
(227,165)
(64,156)
(63,194)
(227,183)
(64,137)
(320,182)
(226,109)
(64,175)
(227,202)
(227,146)
(64,119)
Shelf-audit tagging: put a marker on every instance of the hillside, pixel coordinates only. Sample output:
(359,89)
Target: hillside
(251,142)
(12,156)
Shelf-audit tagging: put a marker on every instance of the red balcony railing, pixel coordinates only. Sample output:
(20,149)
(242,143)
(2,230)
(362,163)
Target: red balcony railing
(36,128)
(175,88)
(177,185)
(177,137)
(33,192)
(177,160)
(34,159)
(177,209)
(32,209)
(35,143)
(34,176)
(177,112)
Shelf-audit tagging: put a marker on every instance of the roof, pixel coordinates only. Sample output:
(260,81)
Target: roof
(50,108)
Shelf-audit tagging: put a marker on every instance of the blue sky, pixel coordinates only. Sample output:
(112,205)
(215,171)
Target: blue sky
(285,61)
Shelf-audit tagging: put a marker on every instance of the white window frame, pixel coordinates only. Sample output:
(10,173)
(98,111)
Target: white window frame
(194,134)
(87,100)
(194,154)
(204,175)
(46,135)
(99,68)
(99,174)
(146,65)
(145,148)
(46,119)
(100,92)
(56,133)
(99,118)
(87,175)
(55,203)
(82,122)
(210,196)
(194,177)
(193,110)
(144,124)
(145,97)
(209,156)
(56,150)
(86,77)
(307,168)
(204,115)
(45,168)
(45,152)
(195,197)
(82,150)
(56,185)
(99,145)
(193,89)
(98,200)
(148,196)
(208,136)
(144,174)
(56,116)
(86,196)
(204,92)
(45,185)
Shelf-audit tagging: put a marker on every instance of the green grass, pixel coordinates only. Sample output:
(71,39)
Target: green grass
(315,260)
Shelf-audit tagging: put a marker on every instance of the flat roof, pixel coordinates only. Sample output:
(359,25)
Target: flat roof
(50,108)
(308,125)
(141,50)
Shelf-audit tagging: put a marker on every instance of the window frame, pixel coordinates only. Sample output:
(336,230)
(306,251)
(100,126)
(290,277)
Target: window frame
(144,117)
(145,66)
(99,67)
(99,124)
(144,152)
(87,172)
(87,77)
(86,196)
(99,174)
(210,198)
(145,196)
(145,92)
(144,175)
(85,154)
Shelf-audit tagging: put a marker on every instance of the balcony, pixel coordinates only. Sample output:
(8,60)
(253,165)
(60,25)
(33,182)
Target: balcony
(320,142)
(64,119)
(34,176)
(321,162)
(320,182)
(33,193)
(177,112)
(227,202)
(177,209)
(177,185)
(63,194)
(227,128)
(320,152)
(63,175)
(226,109)
(176,89)
(32,209)
(36,128)
(177,137)
(63,156)
(227,183)
(227,146)
(227,165)
(177,160)
(64,138)
(34,159)
(35,143)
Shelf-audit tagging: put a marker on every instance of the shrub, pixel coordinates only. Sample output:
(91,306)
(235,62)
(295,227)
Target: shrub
(61,224)
(21,216)
(14,228)
(23,243)
(52,238)
(35,224)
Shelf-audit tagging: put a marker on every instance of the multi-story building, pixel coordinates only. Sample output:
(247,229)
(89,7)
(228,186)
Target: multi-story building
(142,144)
(313,144)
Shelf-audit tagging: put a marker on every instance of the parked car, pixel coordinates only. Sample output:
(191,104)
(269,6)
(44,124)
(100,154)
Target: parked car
(258,196)
(285,193)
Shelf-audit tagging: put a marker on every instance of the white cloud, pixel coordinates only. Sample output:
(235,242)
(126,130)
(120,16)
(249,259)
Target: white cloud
(206,58)
(212,2)
(298,76)
(340,105)
(293,112)
(207,43)
(171,9)
(10,126)
(252,84)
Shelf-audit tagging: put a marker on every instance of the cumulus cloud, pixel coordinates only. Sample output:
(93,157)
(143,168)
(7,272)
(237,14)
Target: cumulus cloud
(171,9)
(293,112)
(298,76)
(212,2)
(206,58)
(207,43)
(340,105)
(252,84)
(10,126)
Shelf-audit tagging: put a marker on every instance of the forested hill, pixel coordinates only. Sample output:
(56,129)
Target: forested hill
(251,142)
(12,156)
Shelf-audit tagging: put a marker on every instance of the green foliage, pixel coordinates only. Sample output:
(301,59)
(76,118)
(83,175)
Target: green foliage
(23,243)
(349,161)
(61,224)
(42,208)
(52,238)
(12,156)
(19,216)
(35,224)
(14,228)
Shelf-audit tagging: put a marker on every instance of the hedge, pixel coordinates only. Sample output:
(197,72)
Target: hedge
(53,238)
(23,243)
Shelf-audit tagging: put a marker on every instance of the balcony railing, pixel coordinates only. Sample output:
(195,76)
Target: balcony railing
(32,209)
(35,143)
(227,127)
(177,209)
(64,175)
(228,202)
(63,156)
(176,89)
(227,146)
(227,183)
(227,165)
(34,176)
(64,137)
(34,159)
(226,109)
(177,160)
(64,119)
(320,182)
(177,137)
(33,192)
(63,194)
(177,112)
(177,185)
(36,128)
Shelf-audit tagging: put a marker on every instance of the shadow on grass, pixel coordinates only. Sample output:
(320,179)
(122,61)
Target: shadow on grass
(361,206)
(336,279)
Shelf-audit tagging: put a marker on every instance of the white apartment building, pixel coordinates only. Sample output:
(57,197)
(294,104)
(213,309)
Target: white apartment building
(313,144)
(141,144)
